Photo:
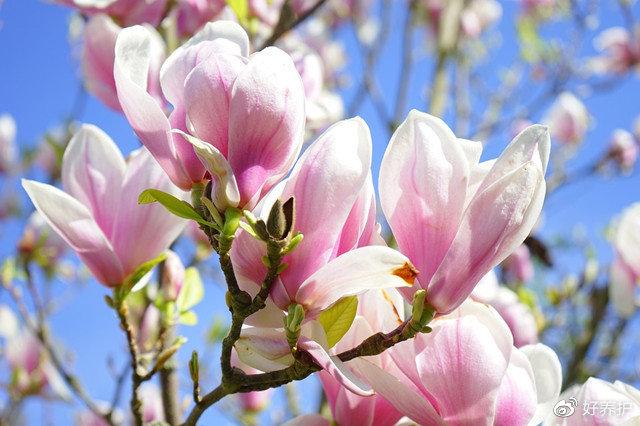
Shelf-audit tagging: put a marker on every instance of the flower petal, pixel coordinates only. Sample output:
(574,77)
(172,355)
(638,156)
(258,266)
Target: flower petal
(336,165)
(398,392)
(266,122)
(153,226)
(226,193)
(547,375)
(423,182)
(207,95)
(74,223)
(131,67)
(354,272)
(265,349)
(495,223)
(92,172)
(336,368)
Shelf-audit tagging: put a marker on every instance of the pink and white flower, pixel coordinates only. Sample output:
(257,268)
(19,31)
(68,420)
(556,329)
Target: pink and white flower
(98,214)
(454,217)
(568,119)
(244,114)
(333,260)
(467,371)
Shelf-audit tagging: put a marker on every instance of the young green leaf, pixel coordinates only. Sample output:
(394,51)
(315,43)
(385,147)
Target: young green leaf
(174,205)
(192,290)
(188,318)
(337,319)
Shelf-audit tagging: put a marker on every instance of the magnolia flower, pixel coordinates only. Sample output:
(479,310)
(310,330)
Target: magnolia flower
(591,396)
(467,371)
(568,119)
(516,314)
(8,149)
(331,261)
(454,217)
(624,274)
(623,149)
(245,115)
(98,55)
(128,12)
(98,215)
(518,266)
(620,51)
(31,371)
(172,276)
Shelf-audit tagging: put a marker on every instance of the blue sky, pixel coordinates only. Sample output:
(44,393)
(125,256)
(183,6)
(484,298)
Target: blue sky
(38,85)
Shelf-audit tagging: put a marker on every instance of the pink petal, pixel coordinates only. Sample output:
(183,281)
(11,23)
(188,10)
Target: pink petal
(145,115)
(207,94)
(92,172)
(334,367)
(336,166)
(517,400)
(462,363)
(266,122)
(98,55)
(155,228)
(496,222)
(366,268)
(423,181)
(74,223)
(396,389)
(265,349)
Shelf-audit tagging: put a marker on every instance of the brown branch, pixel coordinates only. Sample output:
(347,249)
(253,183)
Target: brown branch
(40,330)
(136,379)
(286,24)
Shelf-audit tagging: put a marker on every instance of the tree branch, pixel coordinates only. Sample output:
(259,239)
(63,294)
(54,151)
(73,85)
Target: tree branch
(285,24)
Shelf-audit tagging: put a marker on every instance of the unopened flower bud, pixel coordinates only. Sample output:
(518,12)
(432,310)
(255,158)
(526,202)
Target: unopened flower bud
(623,149)
(172,276)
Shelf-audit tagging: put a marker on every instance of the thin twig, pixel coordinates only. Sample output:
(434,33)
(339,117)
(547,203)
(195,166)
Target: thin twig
(285,25)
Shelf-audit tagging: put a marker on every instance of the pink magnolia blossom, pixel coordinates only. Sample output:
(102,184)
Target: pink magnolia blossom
(8,148)
(243,115)
(518,266)
(475,17)
(331,261)
(624,274)
(623,149)
(31,371)
(172,276)
(98,215)
(128,12)
(620,51)
(517,315)
(454,217)
(594,394)
(568,119)
(98,56)
(467,371)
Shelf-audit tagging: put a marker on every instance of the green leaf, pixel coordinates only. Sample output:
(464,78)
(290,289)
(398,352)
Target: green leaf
(188,318)
(174,205)
(8,270)
(241,9)
(134,278)
(337,319)
(192,290)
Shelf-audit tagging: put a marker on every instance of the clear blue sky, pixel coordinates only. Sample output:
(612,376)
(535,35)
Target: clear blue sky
(38,84)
